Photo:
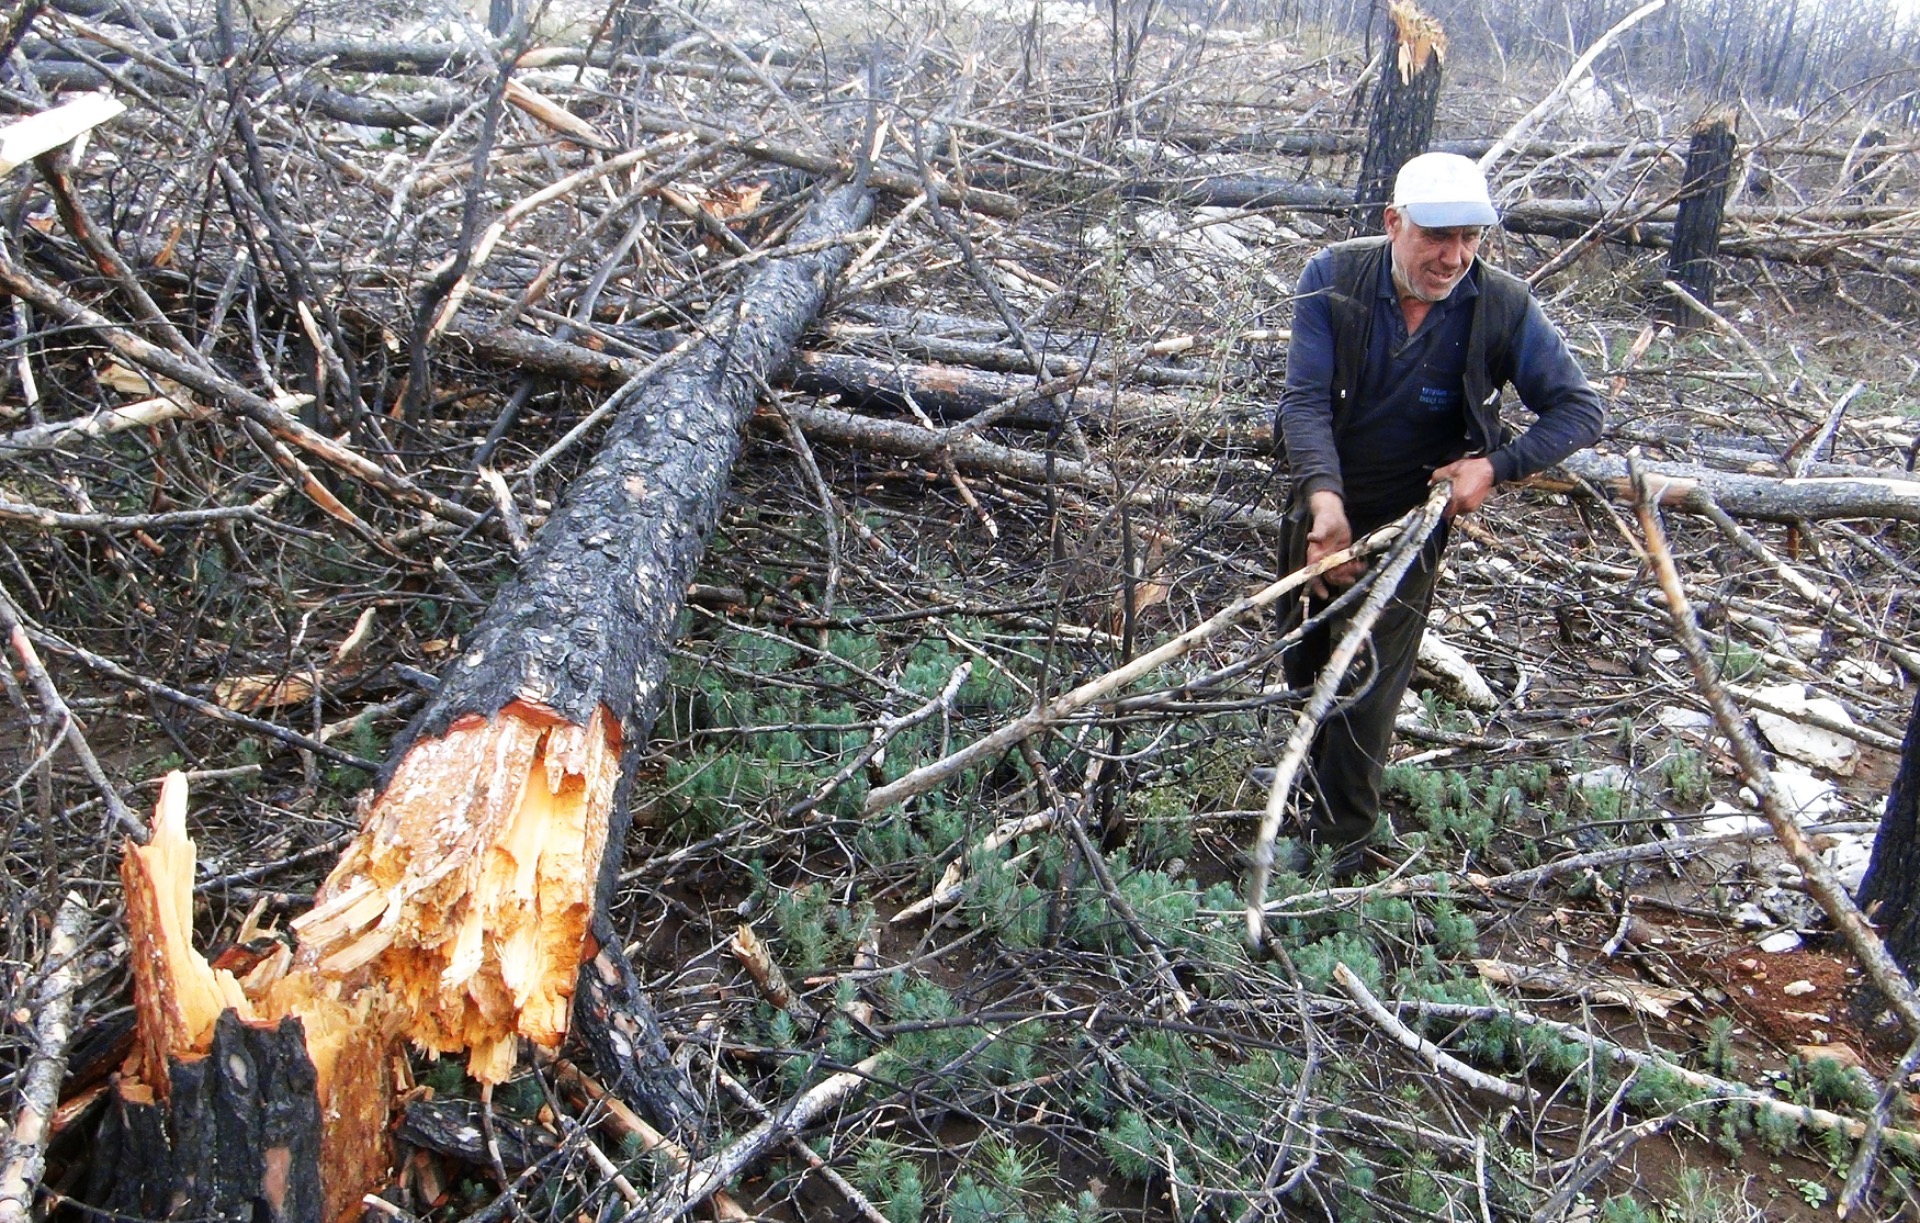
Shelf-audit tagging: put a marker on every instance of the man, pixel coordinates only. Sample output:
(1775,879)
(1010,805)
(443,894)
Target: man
(1400,347)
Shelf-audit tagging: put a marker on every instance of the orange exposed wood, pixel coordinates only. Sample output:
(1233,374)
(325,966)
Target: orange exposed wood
(178,995)
(1419,36)
(457,919)
(468,892)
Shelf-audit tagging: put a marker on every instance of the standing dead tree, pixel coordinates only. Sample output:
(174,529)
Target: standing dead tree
(1696,231)
(1403,107)
(475,894)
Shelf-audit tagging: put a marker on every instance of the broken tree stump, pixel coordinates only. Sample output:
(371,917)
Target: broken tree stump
(1403,106)
(474,901)
(1696,230)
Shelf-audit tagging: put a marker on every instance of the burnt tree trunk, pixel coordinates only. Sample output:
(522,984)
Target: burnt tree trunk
(1403,106)
(1695,253)
(238,1137)
(472,910)
(1890,893)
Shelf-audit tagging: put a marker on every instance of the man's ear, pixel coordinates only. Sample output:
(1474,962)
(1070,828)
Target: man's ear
(1392,221)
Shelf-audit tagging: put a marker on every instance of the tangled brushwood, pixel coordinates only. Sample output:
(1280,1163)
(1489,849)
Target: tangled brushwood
(671,609)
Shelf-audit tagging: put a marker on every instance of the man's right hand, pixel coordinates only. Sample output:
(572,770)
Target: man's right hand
(1330,533)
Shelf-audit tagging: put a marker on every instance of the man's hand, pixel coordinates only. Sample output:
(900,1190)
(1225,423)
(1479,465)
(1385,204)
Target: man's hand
(1330,533)
(1472,484)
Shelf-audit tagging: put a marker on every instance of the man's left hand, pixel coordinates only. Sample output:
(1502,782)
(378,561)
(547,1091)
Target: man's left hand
(1472,484)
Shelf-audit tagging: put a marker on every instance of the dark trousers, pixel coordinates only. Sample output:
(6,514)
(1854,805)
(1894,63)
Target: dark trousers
(1341,787)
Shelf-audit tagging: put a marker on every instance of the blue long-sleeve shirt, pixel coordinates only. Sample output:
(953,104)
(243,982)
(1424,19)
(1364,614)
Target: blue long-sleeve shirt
(1408,413)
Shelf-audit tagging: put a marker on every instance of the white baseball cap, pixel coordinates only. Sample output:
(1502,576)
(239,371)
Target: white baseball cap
(1442,191)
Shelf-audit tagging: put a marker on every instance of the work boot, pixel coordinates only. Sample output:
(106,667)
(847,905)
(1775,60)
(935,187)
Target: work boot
(1342,863)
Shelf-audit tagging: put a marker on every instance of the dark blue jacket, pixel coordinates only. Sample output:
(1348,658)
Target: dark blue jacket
(1511,343)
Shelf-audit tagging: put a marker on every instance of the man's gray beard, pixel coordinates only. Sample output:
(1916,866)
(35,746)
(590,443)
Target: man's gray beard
(1404,287)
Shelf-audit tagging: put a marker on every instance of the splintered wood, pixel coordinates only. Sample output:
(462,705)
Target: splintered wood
(1420,36)
(468,892)
(179,995)
(457,920)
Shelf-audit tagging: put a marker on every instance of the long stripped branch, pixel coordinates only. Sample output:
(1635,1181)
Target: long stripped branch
(1414,530)
(930,776)
(23,1154)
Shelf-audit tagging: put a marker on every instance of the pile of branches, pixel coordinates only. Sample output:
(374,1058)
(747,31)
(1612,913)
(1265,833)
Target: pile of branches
(310,344)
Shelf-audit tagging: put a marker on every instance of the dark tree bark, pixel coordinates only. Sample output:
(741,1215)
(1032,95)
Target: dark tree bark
(1696,230)
(1403,106)
(1890,893)
(420,933)
(238,1137)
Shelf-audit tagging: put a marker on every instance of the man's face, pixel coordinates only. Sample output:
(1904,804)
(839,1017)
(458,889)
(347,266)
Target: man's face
(1430,261)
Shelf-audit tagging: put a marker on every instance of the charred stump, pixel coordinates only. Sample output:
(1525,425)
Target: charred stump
(1692,261)
(237,1137)
(1403,106)
(473,906)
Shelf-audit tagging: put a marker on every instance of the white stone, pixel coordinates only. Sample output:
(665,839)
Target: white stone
(1861,673)
(1793,738)
(1729,825)
(1848,856)
(1798,989)
(1606,777)
(1783,941)
(1679,717)
(1807,798)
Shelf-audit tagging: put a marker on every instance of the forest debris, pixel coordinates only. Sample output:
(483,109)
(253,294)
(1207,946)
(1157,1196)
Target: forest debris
(1431,1053)
(1442,665)
(1781,500)
(928,776)
(556,116)
(754,955)
(1882,970)
(680,1193)
(25,139)
(953,881)
(1596,986)
(24,1146)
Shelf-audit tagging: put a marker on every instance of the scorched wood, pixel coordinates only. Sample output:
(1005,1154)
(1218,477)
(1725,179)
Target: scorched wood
(473,902)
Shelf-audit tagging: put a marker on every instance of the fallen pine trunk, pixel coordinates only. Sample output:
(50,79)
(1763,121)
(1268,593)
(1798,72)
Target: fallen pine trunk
(951,393)
(969,450)
(473,903)
(1746,496)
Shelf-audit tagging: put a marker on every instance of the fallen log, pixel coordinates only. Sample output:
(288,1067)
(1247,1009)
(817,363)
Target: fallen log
(969,450)
(470,912)
(1745,496)
(946,393)
(949,393)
